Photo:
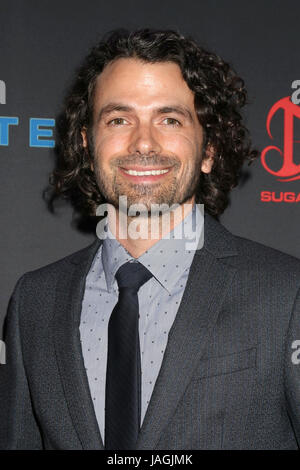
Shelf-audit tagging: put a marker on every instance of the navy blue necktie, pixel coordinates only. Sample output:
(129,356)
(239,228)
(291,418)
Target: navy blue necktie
(123,373)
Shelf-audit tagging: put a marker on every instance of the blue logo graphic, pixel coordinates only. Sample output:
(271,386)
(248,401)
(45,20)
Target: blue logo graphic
(37,131)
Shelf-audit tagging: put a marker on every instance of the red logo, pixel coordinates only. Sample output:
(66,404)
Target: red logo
(272,196)
(289,170)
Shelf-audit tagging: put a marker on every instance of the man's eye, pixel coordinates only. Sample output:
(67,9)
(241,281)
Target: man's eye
(116,122)
(172,122)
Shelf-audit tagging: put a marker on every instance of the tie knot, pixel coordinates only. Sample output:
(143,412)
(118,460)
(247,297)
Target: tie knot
(132,275)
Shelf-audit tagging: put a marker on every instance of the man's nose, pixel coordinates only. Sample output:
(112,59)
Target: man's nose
(144,141)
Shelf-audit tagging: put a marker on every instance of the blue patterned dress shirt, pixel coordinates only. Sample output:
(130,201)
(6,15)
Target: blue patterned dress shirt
(169,261)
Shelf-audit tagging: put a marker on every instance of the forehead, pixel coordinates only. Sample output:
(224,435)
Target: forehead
(142,82)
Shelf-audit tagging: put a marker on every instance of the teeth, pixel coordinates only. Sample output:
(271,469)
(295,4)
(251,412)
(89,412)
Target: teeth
(146,173)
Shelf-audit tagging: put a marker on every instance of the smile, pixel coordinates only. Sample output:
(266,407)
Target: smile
(140,175)
(146,173)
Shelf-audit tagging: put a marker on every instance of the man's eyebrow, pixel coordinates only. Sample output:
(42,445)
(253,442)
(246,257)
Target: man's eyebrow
(111,107)
(182,110)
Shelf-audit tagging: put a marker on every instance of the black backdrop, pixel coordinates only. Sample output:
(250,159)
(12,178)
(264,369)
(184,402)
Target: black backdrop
(42,42)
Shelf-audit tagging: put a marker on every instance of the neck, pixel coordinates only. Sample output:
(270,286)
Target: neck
(137,234)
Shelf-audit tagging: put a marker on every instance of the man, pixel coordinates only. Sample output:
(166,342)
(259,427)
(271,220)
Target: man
(141,343)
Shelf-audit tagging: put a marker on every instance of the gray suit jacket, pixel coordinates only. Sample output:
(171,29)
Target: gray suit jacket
(227,380)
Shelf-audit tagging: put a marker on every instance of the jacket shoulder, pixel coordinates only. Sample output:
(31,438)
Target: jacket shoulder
(52,269)
(270,258)
(247,254)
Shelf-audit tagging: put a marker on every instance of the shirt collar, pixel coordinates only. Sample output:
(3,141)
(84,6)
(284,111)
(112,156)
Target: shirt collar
(167,259)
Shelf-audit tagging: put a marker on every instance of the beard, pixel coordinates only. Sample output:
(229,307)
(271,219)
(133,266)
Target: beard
(173,189)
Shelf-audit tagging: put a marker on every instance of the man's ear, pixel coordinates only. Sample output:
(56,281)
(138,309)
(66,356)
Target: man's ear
(85,143)
(84,137)
(208,160)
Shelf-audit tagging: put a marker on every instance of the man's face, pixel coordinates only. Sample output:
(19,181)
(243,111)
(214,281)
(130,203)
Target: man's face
(144,120)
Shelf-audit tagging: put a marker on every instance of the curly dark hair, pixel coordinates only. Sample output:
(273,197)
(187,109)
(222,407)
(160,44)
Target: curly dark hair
(219,95)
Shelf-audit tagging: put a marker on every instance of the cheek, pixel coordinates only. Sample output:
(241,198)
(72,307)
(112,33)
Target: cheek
(109,146)
(183,146)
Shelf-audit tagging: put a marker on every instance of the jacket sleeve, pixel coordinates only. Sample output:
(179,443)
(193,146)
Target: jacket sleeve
(292,369)
(18,426)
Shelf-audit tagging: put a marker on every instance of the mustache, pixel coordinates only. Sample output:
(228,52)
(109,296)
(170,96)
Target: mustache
(146,160)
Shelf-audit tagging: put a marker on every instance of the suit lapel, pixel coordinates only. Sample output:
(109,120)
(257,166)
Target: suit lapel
(206,288)
(66,337)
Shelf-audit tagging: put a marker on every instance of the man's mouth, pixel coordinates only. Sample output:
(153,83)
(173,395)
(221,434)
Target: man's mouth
(142,174)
